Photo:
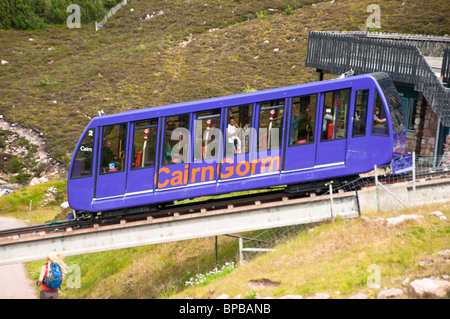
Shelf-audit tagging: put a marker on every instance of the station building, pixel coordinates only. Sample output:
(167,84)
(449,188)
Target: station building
(419,66)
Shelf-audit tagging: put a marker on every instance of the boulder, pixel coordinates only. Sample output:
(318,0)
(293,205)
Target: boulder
(292,297)
(390,293)
(429,288)
(436,213)
(263,283)
(359,295)
(320,296)
(37,181)
(444,253)
(394,221)
(6,188)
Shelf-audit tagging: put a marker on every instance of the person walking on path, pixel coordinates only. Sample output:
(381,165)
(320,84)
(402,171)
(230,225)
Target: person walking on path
(48,292)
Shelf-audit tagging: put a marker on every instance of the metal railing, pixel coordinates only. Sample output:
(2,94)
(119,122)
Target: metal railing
(339,52)
(99,25)
(429,45)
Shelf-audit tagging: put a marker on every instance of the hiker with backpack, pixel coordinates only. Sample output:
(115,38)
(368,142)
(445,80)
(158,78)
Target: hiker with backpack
(52,276)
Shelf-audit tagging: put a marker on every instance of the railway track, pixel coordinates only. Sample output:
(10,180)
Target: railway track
(202,206)
(173,210)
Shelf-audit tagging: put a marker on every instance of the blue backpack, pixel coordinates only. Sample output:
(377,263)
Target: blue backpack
(54,276)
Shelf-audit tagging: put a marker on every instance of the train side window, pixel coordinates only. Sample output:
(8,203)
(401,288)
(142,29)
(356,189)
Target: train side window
(144,143)
(360,115)
(113,148)
(82,165)
(270,124)
(302,122)
(176,139)
(207,135)
(379,123)
(238,129)
(334,120)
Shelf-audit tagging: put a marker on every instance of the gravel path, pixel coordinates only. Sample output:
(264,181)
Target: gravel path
(14,282)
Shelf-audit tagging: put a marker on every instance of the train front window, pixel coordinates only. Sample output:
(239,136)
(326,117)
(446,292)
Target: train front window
(82,165)
(176,139)
(335,115)
(113,148)
(144,143)
(207,135)
(302,121)
(380,122)
(270,124)
(393,100)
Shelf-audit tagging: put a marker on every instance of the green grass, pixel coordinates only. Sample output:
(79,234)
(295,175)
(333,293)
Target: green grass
(156,271)
(335,258)
(43,210)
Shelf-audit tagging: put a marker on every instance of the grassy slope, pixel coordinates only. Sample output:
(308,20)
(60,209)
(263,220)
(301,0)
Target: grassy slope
(45,204)
(134,63)
(332,258)
(335,259)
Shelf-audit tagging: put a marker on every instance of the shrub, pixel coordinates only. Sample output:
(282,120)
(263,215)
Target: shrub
(5,17)
(36,14)
(21,178)
(58,11)
(24,14)
(110,3)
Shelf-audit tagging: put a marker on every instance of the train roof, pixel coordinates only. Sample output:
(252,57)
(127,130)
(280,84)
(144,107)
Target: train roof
(217,102)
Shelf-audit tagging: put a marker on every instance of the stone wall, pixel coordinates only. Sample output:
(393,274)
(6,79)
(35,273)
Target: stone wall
(446,159)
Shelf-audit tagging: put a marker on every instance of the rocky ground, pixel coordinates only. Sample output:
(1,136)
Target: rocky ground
(41,167)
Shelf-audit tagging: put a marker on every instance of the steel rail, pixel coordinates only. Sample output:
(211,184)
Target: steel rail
(203,206)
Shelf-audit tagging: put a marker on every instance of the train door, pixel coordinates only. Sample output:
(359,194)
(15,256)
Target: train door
(143,159)
(334,116)
(358,156)
(207,146)
(174,168)
(111,179)
(238,134)
(270,137)
(300,152)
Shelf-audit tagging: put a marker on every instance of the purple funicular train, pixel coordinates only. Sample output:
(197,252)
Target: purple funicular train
(136,160)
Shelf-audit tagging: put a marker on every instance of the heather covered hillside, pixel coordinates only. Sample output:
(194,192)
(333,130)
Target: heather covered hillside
(55,79)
